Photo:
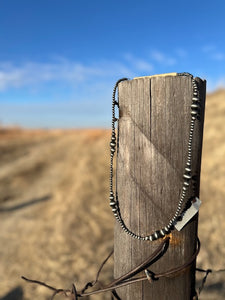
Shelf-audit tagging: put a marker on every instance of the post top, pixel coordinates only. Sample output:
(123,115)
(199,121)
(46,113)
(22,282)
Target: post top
(165,74)
(157,75)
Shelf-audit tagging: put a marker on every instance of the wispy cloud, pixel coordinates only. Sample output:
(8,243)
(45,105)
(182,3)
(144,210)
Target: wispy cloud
(34,73)
(162,58)
(139,64)
(213,52)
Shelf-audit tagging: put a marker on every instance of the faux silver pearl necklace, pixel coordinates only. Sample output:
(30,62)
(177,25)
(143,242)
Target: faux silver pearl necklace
(187,175)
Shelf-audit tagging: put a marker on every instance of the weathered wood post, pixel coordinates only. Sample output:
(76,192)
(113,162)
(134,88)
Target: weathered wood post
(153,135)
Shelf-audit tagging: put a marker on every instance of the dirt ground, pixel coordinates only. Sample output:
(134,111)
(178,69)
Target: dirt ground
(55,222)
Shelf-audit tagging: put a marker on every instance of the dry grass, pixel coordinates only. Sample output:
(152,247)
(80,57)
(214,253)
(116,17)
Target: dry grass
(55,222)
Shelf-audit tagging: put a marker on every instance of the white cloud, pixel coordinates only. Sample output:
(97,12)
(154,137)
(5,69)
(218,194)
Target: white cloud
(139,64)
(213,52)
(162,58)
(31,74)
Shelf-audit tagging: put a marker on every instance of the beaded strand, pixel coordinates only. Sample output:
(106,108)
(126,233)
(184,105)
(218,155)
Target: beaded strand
(187,175)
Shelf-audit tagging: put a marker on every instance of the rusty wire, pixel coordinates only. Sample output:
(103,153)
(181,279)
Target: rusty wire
(129,277)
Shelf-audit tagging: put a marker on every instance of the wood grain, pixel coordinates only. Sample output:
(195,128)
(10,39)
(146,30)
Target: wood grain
(153,136)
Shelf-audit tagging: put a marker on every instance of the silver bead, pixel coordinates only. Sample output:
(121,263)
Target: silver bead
(186,176)
(162,231)
(152,237)
(166,228)
(194,106)
(194,113)
(186,183)
(156,234)
(170,223)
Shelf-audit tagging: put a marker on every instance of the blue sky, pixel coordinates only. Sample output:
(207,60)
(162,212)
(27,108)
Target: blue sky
(59,59)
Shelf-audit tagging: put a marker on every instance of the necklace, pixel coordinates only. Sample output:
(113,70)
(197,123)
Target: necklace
(187,175)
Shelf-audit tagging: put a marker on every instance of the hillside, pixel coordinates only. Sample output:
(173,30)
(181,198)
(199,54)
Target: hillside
(55,222)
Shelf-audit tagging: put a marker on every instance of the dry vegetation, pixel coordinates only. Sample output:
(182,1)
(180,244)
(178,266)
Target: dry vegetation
(54,217)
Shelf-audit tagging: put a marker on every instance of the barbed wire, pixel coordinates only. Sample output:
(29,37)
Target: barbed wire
(130,277)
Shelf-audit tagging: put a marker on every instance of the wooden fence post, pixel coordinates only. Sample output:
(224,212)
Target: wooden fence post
(153,134)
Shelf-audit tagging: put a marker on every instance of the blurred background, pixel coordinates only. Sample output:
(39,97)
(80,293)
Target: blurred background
(59,61)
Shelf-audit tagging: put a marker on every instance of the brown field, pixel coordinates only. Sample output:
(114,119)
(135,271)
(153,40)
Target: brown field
(55,222)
